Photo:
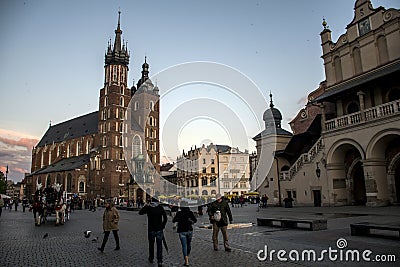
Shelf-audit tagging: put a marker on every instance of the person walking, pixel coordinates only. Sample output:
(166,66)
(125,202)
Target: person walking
(110,223)
(185,219)
(156,221)
(1,205)
(174,209)
(16,204)
(219,213)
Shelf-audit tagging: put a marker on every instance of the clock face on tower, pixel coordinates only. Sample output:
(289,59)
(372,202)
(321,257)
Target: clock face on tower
(364,26)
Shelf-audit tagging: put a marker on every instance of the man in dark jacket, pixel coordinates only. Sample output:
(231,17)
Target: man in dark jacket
(156,221)
(220,206)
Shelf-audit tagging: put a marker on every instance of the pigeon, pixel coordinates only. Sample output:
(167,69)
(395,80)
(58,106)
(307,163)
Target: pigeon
(95,239)
(45,235)
(87,234)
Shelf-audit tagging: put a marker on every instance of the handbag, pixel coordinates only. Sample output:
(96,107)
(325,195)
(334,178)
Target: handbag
(217,216)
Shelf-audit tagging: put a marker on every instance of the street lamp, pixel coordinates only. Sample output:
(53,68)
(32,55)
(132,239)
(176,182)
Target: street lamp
(318,171)
(6,178)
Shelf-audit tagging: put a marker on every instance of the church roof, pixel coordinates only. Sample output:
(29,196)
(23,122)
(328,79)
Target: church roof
(80,126)
(66,164)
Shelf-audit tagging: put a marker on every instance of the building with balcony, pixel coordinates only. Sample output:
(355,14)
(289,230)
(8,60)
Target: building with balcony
(346,144)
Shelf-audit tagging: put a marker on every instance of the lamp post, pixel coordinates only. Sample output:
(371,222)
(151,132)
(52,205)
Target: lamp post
(279,181)
(6,178)
(318,171)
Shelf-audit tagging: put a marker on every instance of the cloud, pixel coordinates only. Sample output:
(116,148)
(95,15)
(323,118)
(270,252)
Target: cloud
(22,142)
(302,101)
(16,153)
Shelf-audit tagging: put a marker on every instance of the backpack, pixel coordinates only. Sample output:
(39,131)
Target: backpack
(217,216)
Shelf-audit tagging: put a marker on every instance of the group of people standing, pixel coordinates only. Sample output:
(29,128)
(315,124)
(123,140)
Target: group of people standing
(219,214)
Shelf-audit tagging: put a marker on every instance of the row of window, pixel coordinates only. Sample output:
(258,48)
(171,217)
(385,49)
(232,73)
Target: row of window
(119,114)
(115,73)
(69,151)
(106,127)
(235,185)
(382,57)
(136,106)
(151,133)
(59,180)
(121,101)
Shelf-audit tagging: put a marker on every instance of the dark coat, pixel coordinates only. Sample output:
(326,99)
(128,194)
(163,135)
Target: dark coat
(185,219)
(110,219)
(156,216)
(226,213)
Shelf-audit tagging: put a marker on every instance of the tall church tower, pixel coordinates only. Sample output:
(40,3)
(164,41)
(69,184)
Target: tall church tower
(114,99)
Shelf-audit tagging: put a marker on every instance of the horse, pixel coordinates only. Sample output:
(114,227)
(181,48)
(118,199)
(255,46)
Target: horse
(38,207)
(60,207)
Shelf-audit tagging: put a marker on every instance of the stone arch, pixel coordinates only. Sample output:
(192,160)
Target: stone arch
(383,157)
(373,148)
(332,155)
(344,165)
(394,179)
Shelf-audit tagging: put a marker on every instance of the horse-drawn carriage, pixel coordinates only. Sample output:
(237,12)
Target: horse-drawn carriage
(47,202)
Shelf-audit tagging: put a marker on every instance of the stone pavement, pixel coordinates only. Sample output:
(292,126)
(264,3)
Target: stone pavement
(22,244)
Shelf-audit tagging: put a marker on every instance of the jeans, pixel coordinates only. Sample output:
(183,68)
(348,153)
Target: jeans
(158,237)
(186,241)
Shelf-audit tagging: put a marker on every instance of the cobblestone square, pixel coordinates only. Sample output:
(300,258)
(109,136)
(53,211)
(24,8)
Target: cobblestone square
(22,243)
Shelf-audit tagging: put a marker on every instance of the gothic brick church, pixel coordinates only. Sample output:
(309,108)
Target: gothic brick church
(86,154)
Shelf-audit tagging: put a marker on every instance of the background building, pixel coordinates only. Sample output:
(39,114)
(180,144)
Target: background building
(213,169)
(86,154)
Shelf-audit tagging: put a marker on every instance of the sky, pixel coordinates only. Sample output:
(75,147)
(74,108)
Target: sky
(52,56)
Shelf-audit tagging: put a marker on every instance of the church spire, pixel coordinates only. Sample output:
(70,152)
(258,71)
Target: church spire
(271,104)
(118,54)
(145,73)
(118,32)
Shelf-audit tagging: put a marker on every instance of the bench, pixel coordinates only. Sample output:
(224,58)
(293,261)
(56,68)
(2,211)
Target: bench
(364,228)
(307,224)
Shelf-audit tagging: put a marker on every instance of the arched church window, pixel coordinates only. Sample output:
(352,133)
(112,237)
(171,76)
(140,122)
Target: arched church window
(136,146)
(357,61)
(337,64)
(69,182)
(121,101)
(382,49)
(81,187)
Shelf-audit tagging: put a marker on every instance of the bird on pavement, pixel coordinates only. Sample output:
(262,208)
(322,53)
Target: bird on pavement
(95,239)
(87,234)
(45,235)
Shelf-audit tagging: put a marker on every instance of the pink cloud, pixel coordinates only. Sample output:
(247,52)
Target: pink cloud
(22,142)
(20,170)
(15,151)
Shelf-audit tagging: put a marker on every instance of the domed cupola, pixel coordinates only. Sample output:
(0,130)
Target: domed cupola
(272,116)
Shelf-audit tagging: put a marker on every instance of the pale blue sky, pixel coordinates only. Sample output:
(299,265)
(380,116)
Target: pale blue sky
(52,52)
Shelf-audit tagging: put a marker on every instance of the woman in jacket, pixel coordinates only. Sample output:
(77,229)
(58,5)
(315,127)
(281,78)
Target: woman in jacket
(185,219)
(110,223)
